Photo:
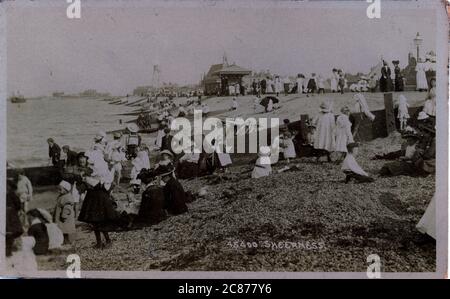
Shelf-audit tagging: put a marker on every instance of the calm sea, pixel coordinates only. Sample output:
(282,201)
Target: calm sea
(71,121)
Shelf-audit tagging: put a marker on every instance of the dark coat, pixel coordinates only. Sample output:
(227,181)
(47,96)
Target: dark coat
(422,163)
(263,85)
(399,86)
(385,79)
(72,158)
(151,210)
(39,232)
(98,209)
(175,197)
(312,84)
(187,170)
(54,152)
(166,143)
(13,224)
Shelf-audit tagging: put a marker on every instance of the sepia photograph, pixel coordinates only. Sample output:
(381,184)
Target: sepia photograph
(159,139)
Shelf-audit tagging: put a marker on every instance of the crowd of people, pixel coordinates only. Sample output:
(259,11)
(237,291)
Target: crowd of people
(328,134)
(90,179)
(337,81)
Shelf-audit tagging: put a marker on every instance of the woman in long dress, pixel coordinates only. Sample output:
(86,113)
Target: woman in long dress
(278,86)
(312,84)
(385,79)
(334,81)
(399,86)
(300,79)
(421,78)
(324,138)
(97,208)
(269,87)
(343,133)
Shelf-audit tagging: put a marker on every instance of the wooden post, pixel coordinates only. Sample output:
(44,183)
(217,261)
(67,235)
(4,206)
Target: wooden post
(389,110)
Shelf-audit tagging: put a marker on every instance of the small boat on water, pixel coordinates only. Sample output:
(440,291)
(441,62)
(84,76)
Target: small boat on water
(16,99)
(141,131)
(40,176)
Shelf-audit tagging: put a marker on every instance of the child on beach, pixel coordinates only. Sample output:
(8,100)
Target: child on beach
(312,84)
(341,81)
(38,219)
(310,134)
(352,169)
(166,157)
(372,83)
(117,157)
(263,165)
(143,155)
(38,231)
(403,114)
(234,104)
(137,167)
(288,146)
(343,133)
(25,193)
(205,109)
(64,212)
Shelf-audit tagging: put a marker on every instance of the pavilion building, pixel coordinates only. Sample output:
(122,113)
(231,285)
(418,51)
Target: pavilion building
(220,76)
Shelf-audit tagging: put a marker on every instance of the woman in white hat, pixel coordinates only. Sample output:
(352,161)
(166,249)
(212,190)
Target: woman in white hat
(100,140)
(422,116)
(263,165)
(421,78)
(97,208)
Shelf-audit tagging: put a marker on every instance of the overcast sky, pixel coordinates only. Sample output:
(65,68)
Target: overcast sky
(114,49)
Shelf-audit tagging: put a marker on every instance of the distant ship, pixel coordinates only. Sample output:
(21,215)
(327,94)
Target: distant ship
(18,98)
(58,94)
